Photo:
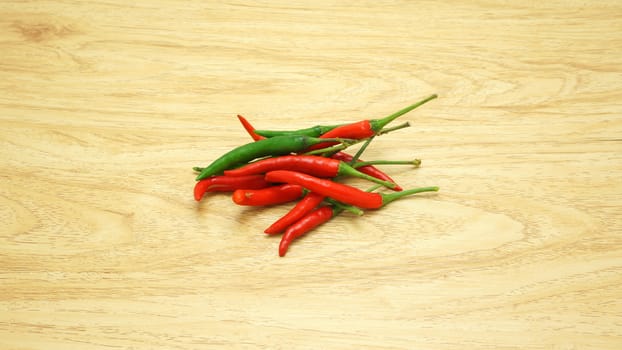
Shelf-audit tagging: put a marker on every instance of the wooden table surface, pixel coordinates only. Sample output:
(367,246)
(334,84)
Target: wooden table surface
(106,107)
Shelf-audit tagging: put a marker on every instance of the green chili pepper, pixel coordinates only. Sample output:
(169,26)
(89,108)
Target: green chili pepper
(313,131)
(278,145)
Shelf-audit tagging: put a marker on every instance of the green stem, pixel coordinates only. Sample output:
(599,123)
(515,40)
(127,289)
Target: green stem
(348,142)
(383,131)
(414,162)
(373,188)
(393,128)
(361,150)
(378,124)
(346,169)
(336,148)
(337,205)
(390,197)
(197,169)
(337,209)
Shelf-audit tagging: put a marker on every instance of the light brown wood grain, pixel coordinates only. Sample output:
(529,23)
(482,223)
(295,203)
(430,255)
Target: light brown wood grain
(105,108)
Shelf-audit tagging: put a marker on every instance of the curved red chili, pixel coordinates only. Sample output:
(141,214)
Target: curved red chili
(367,169)
(312,165)
(268,196)
(304,225)
(304,206)
(228,184)
(341,192)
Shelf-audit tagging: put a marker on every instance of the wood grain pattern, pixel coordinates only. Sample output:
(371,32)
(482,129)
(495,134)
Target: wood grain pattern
(105,107)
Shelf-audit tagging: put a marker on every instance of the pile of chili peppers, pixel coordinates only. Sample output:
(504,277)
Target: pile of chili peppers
(305,165)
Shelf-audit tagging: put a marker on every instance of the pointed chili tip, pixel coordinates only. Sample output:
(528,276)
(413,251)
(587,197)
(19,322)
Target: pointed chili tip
(270,231)
(283,247)
(199,190)
(238,197)
(398,188)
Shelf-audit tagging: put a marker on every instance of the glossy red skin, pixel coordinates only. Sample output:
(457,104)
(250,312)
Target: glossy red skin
(357,131)
(304,225)
(312,165)
(340,192)
(268,196)
(304,206)
(228,184)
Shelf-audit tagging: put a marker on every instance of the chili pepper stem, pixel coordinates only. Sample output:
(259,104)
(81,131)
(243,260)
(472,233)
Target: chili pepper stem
(390,197)
(345,169)
(358,154)
(345,143)
(373,188)
(361,150)
(393,128)
(330,149)
(381,123)
(342,141)
(197,169)
(415,162)
(352,209)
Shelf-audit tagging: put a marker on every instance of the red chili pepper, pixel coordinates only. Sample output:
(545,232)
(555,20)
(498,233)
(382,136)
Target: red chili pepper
(340,192)
(358,130)
(228,184)
(268,196)
(305,205)
(306,224)
(312,165)
(365,128)
(367,169)
(249,128)
(311,220)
